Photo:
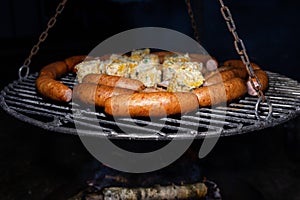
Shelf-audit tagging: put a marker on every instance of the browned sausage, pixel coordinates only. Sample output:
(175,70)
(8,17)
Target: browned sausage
(114,81)
(155,104)
(221,93)
(224,74)
(95,94)
(239,63)
(49,87)
(74,60)
(161,55)
(261,75)
(263,78)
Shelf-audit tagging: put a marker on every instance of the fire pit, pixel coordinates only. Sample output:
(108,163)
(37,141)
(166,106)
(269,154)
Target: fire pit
(181,180)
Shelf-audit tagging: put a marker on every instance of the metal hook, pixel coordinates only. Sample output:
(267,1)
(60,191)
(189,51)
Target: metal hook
(26,73)
(270,111)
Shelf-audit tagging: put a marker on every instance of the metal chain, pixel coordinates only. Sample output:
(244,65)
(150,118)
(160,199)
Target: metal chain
(241,50)
(193,21)
(42,38)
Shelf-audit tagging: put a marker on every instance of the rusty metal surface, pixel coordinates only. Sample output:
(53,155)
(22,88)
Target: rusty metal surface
(21,100)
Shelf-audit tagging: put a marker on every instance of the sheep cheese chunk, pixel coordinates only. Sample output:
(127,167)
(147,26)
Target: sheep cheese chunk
(139,54)
(88,67)
(186,77)
(176,73)
(171,64)
(147,71)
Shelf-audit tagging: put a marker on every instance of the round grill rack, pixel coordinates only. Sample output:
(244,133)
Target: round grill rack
(21,100)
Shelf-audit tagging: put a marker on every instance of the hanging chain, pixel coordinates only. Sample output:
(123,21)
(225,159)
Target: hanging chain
(241,50)
(42,38)
(193,21)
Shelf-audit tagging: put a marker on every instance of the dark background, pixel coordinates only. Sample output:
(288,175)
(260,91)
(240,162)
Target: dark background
(36,163)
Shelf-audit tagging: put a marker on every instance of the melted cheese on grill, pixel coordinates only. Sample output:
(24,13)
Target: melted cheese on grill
(186,77)
(138,55)
(177,70)
(148,74)
(88,67)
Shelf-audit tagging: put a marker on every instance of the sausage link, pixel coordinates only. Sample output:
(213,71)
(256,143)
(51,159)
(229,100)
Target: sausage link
(49,87)
(263,78)
(155,104)
(74,60)
(225,74)
(54,70)
(162,54)
(95,94)
(53,89)
(240,64)
(261,75)
(222,92)
(114,81)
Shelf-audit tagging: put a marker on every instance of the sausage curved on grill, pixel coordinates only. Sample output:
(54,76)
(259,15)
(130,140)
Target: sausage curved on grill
(114,81)
(51,88)
(225,73)
(261,75)
(221,92)
(155,104)
(74,60)
(95,94)
(239,64)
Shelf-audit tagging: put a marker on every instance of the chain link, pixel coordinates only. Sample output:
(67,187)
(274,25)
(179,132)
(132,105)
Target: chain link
(241,50)
(42,38)
(240,47)
(193,21)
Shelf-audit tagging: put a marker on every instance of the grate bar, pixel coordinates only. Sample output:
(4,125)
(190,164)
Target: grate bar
(233,112)
(287,106)
(159,125)
(211,119)
(120,125)
(194,124)
(24,102)
(30,107)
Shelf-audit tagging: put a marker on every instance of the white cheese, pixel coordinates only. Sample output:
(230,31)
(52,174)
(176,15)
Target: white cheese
(88,67)
(186,77)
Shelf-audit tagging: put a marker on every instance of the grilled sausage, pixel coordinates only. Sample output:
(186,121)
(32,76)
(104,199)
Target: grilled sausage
(261,75)
(95,94)
(155,104)
(72,61)
(240,64)
(114,81)
(225,73)
(49,87)
(263,78)
(162,54)
(228,91)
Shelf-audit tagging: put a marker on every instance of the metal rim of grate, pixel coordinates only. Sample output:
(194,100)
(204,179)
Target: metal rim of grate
(21,100)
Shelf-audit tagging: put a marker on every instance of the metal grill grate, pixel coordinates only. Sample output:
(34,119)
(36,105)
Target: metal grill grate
(20,100)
